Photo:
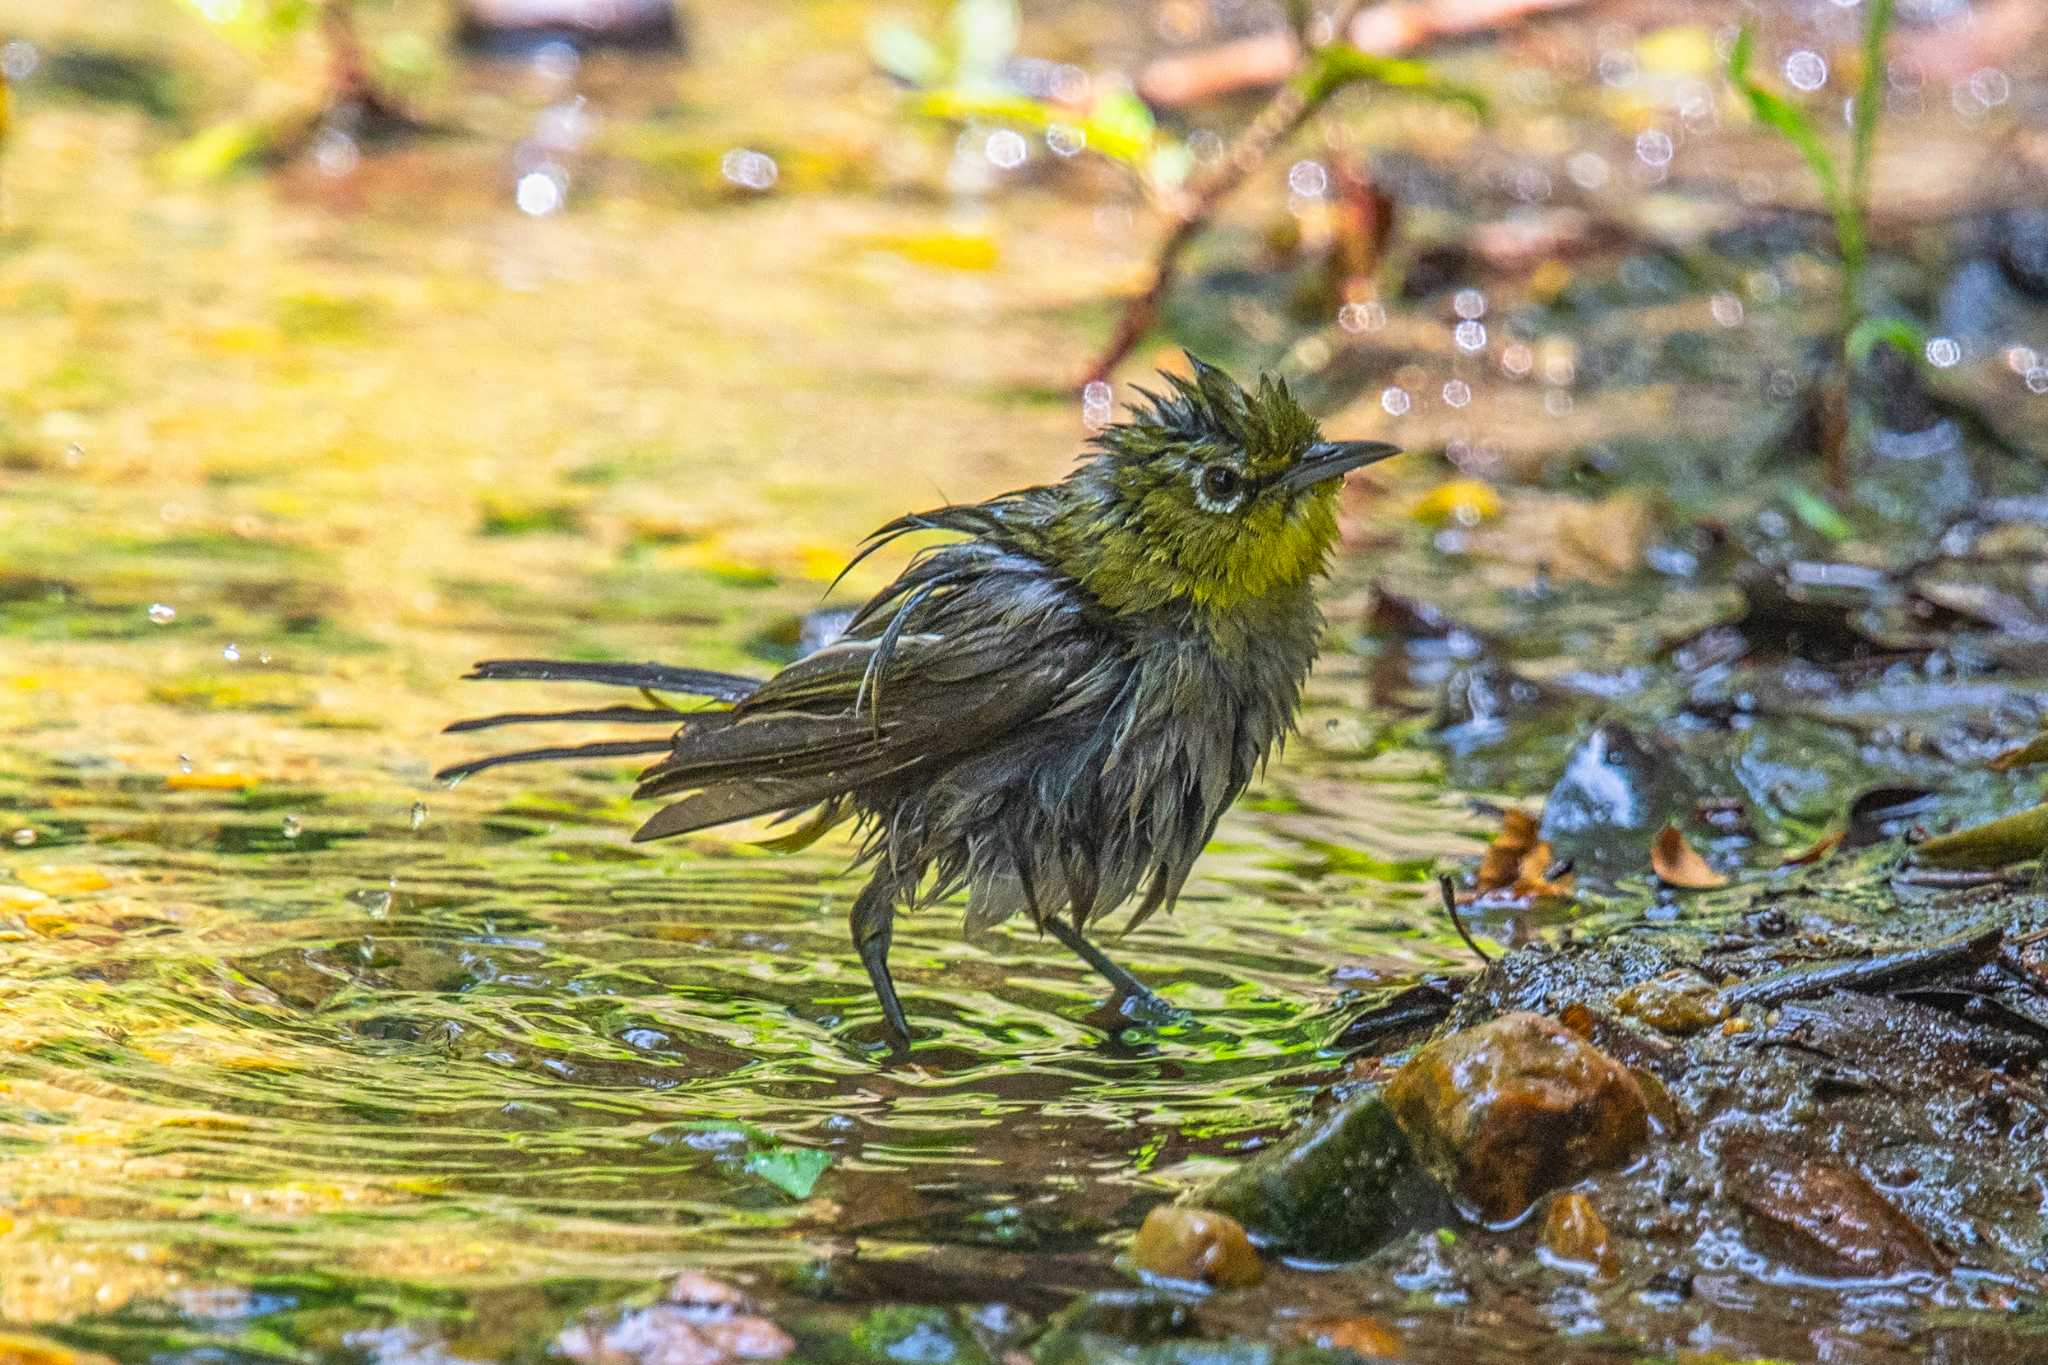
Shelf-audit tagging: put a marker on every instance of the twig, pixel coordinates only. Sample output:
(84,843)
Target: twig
(1449,892)
(1877,973)
(1189,212)
(350,79)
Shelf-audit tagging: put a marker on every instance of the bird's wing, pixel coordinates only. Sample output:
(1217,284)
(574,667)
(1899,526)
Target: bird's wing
(946,672)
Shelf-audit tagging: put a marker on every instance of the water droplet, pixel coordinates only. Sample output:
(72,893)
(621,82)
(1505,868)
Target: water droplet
(1470,336)
(419,814)
(74,455)
(19,60)
(1457,393)
(231,654)
(263,657)
(1396,401)
(1098,400)
(2037,379)
(1991,86)
(1065,140)
(1468,304)
(1654,147)
(1943,352)
(24,837)
(1005,150)
(184,763)
(1806,70)
(1588,170)
(1309,179)
(293,826)
(1369,316)
(1726,308)
(335,153)
(2020,359)
(1517,359)
(162,614)
(752,170)
(541,192)
(1618,67)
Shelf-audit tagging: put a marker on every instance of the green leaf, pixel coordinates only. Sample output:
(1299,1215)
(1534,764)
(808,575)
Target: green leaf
(215,153)
(1877,23)
(901,51)
(2013,839)
(1871,332)
(1120,126)
(793,1170)
(1780,115)
(1816,513)
(1336,65)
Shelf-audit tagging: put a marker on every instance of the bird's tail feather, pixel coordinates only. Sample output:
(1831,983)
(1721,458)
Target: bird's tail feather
(649,678)
(615,748)
(694,682)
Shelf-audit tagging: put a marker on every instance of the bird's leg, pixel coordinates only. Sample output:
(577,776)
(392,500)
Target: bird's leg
(874,920)
(1128,987)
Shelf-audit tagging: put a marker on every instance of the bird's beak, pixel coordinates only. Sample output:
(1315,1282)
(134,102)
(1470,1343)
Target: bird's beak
(1328,460)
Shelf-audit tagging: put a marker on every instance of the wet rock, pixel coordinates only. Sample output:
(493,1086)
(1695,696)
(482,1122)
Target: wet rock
(1616,790)
(703,1322)
(1574,1233)
(1515,1107)
(1679,1003)
(1343,1184)
(1818,1215)
(1486,695)
(1177,1242)
(518,26)
(2022,237)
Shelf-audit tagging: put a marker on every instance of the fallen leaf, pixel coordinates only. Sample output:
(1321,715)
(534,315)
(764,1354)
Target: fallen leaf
(1515,870)
(62,879)
(1677,864)
(2033,751)
(1460,502)
(1815,852)
(209,781)
(1995,843)
(1365,1336)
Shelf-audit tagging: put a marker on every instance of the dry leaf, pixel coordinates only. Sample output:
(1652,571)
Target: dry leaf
(2033,751)
(1364,1336)
(1515,870)
(1677,864)
(1827,844)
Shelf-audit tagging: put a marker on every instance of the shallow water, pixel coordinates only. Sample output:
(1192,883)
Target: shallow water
(297,1043)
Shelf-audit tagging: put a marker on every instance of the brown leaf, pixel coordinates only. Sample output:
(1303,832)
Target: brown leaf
(1363,1336)
(2033,751)
(1827,844)
(1515,870)
(1677,864)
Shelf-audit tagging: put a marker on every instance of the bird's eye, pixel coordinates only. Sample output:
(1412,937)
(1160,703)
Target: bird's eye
(1220,484)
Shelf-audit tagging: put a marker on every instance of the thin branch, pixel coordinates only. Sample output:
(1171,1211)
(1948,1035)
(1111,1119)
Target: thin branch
(1190,211)
(1449,892)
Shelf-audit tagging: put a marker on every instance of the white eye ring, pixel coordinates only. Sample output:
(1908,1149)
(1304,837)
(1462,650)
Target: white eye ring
(1219,488)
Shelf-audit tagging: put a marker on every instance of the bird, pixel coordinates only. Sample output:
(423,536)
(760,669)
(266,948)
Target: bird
(1051,709)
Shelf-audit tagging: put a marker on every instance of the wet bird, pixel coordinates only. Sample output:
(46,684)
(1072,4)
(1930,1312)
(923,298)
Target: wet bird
(1051,711)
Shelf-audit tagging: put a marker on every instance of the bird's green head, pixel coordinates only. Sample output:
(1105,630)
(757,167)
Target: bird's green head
(1208,495)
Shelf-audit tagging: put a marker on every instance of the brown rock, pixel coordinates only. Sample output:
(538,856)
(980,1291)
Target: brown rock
(1818,1215)
(1681,1003)
(1575,1234)
(1515,1107)
(1182,1243)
